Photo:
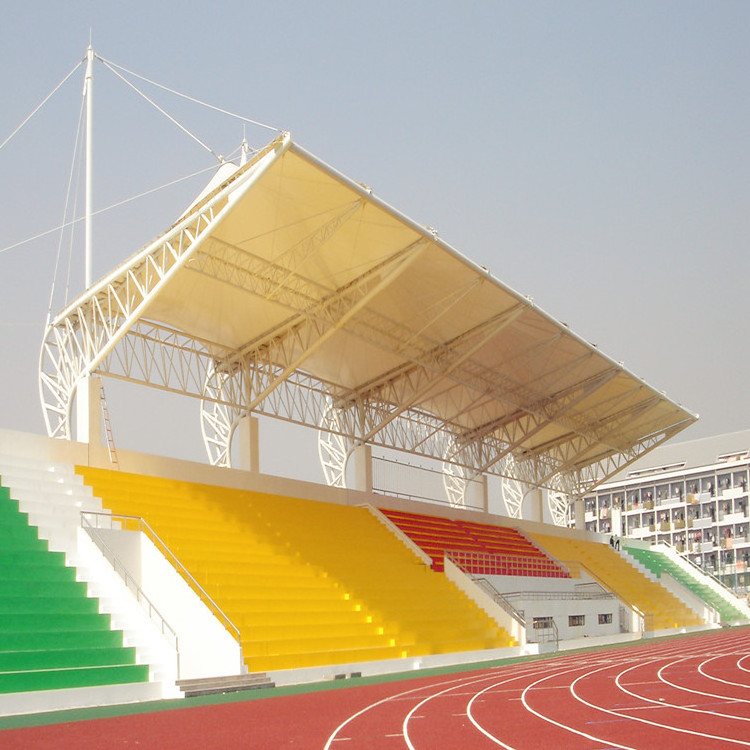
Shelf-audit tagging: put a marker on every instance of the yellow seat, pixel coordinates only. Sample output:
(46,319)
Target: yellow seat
(307,583)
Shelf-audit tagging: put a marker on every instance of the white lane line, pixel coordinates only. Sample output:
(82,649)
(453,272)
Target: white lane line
(669,727)
(719,679)
(550,720)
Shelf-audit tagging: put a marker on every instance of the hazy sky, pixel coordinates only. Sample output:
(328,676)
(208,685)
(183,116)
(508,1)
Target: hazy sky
(593,155)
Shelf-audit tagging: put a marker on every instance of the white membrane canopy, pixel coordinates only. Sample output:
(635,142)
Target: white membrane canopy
(300,278)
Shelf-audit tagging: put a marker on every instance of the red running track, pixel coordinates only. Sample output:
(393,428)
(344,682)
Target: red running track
(691,692)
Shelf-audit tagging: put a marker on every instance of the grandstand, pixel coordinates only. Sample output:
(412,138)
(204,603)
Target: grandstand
(288,290)
(289,581)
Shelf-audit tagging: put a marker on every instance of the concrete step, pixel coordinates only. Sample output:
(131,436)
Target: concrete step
(227,684)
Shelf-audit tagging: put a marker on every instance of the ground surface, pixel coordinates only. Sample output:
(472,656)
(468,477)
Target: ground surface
(690,692)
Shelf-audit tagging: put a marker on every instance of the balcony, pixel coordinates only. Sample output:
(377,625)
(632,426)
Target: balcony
(729,493)
(640,531)
(703,523)
(669,502)
(736,517)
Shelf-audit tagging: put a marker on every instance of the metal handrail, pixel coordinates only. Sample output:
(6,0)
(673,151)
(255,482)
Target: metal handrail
(500,599)
(542,634)
(561,595)
(705,572)
(574,566)
(488,563)
(130,582)
(491,591)
(143,526)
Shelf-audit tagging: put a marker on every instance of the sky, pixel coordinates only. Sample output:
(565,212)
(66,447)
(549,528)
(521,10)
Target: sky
(594,156)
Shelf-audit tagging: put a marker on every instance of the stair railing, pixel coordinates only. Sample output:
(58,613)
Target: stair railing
(130,582)
(136,523)
(547,633)
(703,571)
(575,568)
(484,585)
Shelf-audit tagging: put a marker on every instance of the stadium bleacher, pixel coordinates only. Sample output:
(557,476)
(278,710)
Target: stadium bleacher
(659,563)
(661,609)
(492,550)
(306,583)
(52,635)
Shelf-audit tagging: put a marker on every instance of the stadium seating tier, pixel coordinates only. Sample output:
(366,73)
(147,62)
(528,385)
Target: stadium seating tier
(52,635)
(306,583)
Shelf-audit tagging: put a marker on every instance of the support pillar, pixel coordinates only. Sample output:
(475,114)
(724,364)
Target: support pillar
(579,511)
(248,442)
(362,457)
(89,410)
(536,505)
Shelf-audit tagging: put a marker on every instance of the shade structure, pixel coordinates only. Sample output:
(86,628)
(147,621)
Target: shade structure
(290,290)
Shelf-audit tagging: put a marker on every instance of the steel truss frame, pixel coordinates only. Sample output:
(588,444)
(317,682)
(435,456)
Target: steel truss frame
(107,331)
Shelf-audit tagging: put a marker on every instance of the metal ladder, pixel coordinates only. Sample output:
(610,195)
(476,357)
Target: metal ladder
(108,430)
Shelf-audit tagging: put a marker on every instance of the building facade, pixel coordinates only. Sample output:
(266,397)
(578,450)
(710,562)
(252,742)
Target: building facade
(693,496)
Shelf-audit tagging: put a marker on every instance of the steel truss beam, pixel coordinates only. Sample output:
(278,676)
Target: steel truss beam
(107,331)
(85,333)
(162,358)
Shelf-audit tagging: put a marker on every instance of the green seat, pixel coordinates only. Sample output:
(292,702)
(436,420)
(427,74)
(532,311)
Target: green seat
(658,562)
(52,634)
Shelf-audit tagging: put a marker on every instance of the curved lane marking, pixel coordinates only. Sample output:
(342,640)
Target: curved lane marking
(721,679)
(564,726)
(648,700)
(457,682)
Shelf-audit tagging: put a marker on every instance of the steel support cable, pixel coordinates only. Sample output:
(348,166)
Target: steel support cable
(111,65)
(218,157)
(42,103)
(107,208)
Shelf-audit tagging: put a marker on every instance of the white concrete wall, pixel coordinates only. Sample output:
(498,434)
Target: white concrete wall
(206,647)
(511,584)
(561,609)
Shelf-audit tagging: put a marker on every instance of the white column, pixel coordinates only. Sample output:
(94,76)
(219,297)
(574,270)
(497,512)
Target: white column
(579,511)
(89,411)
(362,457)
(535,499)
(249,448)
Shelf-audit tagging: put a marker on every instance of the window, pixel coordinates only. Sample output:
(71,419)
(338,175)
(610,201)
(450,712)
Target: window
(542,623)
(576,620)
(605,619)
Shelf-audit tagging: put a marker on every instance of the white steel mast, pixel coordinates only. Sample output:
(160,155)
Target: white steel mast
(88,418)
(88,87)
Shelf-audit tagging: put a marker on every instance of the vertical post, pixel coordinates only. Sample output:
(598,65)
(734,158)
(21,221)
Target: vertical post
(536,511)
(247,435)
(88,411)
(579,514)
(88,93)
(362,457)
